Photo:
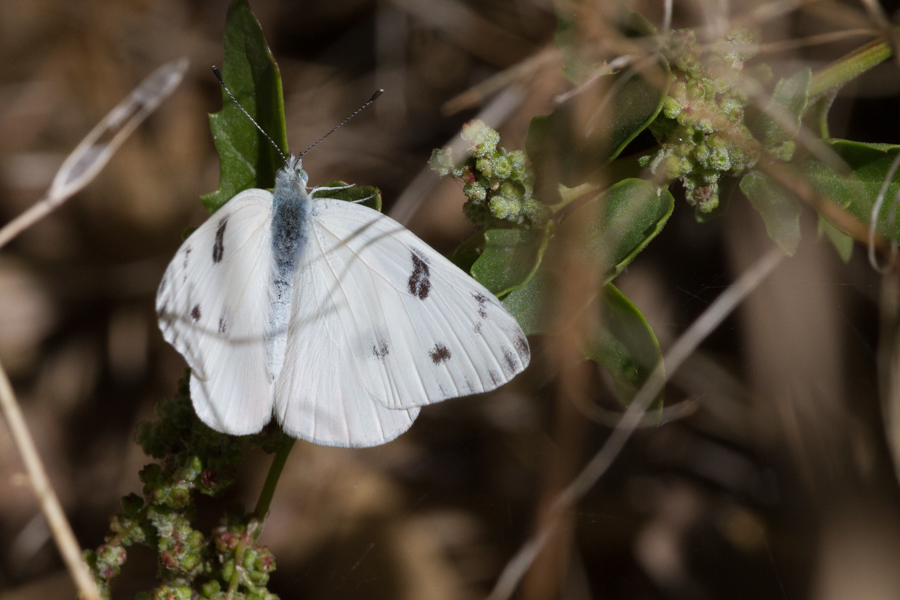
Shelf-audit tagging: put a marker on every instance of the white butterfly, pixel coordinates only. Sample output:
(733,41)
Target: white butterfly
(329,315)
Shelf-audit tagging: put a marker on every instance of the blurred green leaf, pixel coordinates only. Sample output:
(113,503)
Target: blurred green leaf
(620,223)
(468,252)
(610,229)
(777,206)
(787,106)
(353,194)
(856,192)
(624,344)
(510,258)
(246,158)
(532,305)
(560,150)
(842,242)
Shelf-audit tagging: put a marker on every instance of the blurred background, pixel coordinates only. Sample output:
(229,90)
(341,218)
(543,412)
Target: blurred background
(772,478)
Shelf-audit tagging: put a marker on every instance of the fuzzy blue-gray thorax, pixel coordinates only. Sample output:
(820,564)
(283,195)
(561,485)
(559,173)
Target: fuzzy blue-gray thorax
(290,215)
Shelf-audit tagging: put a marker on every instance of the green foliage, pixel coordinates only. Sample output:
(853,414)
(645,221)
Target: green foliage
(696,101)
(364,194)
(778,207)
(247,159)
(192,459)
(510,258)
(499,187)
(856,189)
(610,230)
(701,129)
(624,344)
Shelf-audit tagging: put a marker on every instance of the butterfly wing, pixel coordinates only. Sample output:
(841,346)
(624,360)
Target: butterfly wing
(392,324)
(320,395)
(213,306)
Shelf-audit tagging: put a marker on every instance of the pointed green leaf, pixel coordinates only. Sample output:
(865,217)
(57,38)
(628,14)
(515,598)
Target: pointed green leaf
(620,223)
(610,229)
(468,252)
(777,206)
(510,258)
(624,344)
(857,191)
(532,305)
(842,242)
(781,120)
(246,158)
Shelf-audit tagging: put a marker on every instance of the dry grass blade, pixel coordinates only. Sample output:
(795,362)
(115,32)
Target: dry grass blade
(91,154)
(56,518)
(680,351)
(81,166)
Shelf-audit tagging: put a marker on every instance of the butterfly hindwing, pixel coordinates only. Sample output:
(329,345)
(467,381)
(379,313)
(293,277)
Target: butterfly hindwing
(413,329)
(320,394)
(213,306)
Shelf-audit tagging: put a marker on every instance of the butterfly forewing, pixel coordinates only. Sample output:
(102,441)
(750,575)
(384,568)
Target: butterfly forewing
(417,329)
(213,306)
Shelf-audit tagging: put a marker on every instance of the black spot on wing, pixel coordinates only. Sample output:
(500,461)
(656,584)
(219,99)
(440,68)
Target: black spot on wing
(219,245)
(439,354)
(419,280)
(510,361)
(481,299)
(223,326)
(522,347)
(477,328)
(495,379)
(195,312)
(380,350)
(184,265)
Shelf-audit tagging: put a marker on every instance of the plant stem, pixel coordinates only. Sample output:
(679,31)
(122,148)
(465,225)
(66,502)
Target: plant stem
(268,490)
(43,489)
(850,66)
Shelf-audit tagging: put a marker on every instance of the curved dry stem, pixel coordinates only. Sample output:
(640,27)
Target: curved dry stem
(873,220)
(707,322)
(91,154)
(50,506)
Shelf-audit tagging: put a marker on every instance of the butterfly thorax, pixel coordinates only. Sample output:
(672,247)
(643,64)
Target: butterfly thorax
(290,230)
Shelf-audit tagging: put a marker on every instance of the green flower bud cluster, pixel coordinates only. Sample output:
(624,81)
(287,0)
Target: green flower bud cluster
(192,457)
(701,126)
(250,562)
(499,186)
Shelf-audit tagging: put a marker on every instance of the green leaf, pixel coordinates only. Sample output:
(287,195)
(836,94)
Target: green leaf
(778,207)
(247,159)
(532,305)
(558,147)
(842,242)
(781,120)
(468,252)
(510,258)
(610,230)
(856,192)
(618,224)
(354,194)
(624,344)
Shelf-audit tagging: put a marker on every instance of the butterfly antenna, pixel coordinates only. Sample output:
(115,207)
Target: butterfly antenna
(246,114)
(356,112)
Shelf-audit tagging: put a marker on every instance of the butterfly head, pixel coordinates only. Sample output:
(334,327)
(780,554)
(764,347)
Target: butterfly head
(291,180)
